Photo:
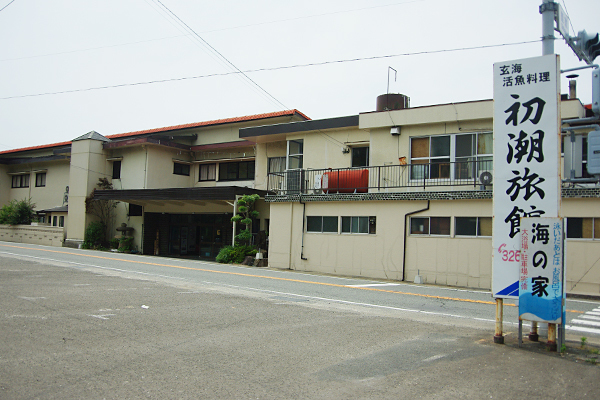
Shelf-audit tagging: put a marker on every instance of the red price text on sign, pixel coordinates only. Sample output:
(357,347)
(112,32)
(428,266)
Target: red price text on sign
(509,255)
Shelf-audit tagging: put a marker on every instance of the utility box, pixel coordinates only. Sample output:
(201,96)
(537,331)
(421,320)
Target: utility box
(593,153)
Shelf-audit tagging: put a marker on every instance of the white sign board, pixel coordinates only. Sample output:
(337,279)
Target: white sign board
(563,23)
(526,158)
(541,272)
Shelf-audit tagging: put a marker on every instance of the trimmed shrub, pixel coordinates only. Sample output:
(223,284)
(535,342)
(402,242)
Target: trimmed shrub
(235,255)
(94,236)
(17,212)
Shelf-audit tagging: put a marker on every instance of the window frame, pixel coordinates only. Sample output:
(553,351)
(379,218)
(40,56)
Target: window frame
(249,176)
(358,225)
(321,223)
(429,226)
(276,164)
(208,172)
(477,228)
(20,181)
(181,169)
(116,169)
(451,166)
(356,158)
(40,179)
(571,228)
(298,156)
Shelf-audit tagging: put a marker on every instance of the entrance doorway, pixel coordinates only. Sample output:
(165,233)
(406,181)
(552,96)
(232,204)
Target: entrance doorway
(201,235)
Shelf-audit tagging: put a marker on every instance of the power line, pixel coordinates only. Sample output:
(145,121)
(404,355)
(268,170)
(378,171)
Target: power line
(7,5)
(275,69)
(221,55)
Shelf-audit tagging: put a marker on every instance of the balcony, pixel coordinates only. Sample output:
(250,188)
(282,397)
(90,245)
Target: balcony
(385,178)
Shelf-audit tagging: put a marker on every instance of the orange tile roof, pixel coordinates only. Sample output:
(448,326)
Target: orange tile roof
(172,128)
(43,146)
(210,123)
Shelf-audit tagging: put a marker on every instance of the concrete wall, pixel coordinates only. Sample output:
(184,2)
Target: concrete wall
(88,164)
(447,260)
(44,235)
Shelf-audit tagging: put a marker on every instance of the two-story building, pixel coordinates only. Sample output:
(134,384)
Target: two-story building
(397,193)
(403,194)
(175,186)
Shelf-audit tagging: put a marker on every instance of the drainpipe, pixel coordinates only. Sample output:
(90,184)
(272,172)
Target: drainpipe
(303,227)
(405,234)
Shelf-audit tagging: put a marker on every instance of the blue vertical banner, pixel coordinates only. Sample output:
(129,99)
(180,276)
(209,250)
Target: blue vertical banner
(541,272)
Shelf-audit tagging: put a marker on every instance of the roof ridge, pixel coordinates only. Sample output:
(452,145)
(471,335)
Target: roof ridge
(174,127)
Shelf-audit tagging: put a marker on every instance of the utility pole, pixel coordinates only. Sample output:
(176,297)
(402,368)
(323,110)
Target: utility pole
(548,10)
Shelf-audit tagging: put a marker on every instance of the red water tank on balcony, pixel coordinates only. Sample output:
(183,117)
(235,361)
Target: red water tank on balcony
(346,181)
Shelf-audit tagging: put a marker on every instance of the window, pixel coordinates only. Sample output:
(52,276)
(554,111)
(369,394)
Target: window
(55,221)
(276,164)
(236,171)
(473,226)
(583,228)
(20,181)
(459,156)
(61,221)
(40,179)
(359,225)
(181,169)
(360,156)
(135,210)
(295,151)
(322,224)
(430,226)
(208,172)
(116,173)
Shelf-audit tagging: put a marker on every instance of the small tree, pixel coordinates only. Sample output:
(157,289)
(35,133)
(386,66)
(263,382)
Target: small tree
(104,210)
(242,247)
(17,212)
(245,216)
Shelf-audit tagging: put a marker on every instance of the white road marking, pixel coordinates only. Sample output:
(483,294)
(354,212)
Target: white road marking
(102,316)
(433,358)
(586,322)
(570,327)
(375,285)
(582,329)
(32,298)
(592,317)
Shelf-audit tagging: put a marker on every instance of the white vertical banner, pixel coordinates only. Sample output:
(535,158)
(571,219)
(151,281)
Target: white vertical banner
(526,158)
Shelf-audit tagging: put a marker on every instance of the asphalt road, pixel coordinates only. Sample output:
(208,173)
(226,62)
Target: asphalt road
(84,324)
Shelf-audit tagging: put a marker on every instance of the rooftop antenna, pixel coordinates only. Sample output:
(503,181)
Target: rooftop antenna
(388,85)
(395,76)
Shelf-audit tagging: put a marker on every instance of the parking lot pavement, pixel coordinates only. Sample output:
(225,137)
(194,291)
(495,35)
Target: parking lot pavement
(68,333)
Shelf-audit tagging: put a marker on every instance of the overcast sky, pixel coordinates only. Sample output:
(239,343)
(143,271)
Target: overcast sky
(77,46)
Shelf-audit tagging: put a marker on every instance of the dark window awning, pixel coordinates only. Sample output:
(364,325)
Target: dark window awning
(216,193)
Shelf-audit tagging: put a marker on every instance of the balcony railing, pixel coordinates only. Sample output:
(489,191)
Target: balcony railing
(383,178)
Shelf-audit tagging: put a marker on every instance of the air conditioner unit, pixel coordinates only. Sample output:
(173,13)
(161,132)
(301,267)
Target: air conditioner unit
(486,177)
(318,188)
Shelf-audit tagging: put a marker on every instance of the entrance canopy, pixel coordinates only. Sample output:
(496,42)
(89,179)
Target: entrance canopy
(177,196)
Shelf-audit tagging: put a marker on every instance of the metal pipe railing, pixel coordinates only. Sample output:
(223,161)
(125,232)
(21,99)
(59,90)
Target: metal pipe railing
(382,178)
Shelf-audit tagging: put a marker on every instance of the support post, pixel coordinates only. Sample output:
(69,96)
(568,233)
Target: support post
(235,203)
(551,344)
(533,333)
(498,336)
